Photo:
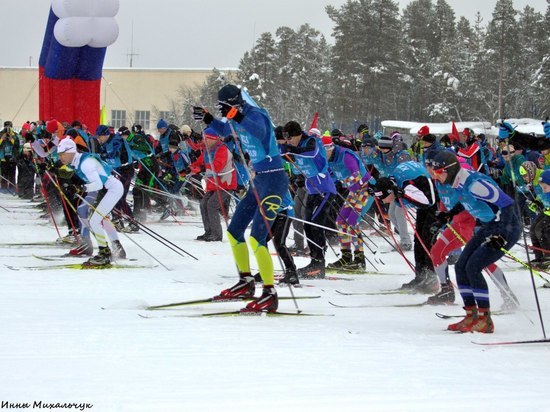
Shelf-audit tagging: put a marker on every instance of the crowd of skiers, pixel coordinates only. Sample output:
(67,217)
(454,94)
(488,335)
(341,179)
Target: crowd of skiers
(454,199)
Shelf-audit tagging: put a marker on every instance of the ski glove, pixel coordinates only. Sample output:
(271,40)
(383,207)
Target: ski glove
(230,112)
(496,242)
(200,113)
(546,127)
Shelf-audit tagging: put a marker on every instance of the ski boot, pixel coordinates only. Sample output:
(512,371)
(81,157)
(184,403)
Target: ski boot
(315,270)
(167,213)
(290,278)
(482,323)
(359,261)
(118,224)
(131,228)
(243,289)
(412,284)
(84,248)
(467,322)
(267,302)
(118,250)
(405,247)
(343,262)
(69,238)
(202,237)
(103,258)
(446,296)
(428,283)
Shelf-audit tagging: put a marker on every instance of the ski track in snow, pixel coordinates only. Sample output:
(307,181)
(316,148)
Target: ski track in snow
(58,345)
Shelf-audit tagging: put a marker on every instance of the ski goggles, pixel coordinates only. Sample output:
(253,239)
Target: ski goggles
(439,168)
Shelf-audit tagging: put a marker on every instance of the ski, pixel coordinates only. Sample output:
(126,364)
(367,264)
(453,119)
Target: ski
(355,272)
(516,342)
(67,255)
(493,313)
(381,292)
(34,244)
(235,313)
(80,266)
(405,305)
(216,299)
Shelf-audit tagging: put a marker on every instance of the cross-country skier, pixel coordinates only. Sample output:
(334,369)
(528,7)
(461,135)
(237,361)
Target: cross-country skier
(254,129)
(97,176)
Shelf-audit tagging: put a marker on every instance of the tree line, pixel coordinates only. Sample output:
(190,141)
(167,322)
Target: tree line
(423,65)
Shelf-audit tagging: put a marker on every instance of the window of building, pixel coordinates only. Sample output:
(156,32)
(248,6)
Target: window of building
(168,116)
(118,118)
(143,117)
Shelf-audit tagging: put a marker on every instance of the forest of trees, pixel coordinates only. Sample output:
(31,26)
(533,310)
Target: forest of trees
(423,64)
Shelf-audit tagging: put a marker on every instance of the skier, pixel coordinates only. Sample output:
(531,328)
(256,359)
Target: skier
(309,158)
(254,128)
(97,175)
(414,188)
(500,230)
(347,168)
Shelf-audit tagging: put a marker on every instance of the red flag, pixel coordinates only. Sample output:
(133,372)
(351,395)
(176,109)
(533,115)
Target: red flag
(314,121)
(455,137)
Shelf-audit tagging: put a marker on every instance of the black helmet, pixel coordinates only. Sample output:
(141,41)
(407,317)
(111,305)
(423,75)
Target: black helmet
(448,162)
(230,94)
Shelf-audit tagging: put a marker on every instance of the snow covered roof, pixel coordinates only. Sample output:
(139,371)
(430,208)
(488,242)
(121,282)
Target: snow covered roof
(523,125)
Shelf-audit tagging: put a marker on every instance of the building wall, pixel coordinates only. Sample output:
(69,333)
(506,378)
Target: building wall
(127,89)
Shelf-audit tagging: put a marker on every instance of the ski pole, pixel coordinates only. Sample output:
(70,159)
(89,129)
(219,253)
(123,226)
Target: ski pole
(127,236)
(151,232)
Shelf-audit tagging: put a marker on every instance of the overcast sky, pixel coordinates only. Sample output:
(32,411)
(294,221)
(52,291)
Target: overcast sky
(191,33)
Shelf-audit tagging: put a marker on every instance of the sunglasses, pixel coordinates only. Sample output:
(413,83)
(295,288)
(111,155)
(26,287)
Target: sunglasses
(506,152)
(439,168)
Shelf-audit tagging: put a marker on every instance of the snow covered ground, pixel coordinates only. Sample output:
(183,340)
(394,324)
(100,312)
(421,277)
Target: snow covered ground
(59,346)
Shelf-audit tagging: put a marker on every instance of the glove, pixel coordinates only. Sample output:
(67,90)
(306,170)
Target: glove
(546,127)
(496,242)
(399,193)
(167,177)
(534,206)
(181,177)
(65,172)
(443,218)
(505,129)
(230,112)
(200,113)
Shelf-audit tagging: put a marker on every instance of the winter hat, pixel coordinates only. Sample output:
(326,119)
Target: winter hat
(545,177)
(67,145)
(230,94)
(211,134)
(368,142)
(186,129)
(446,161)
(327,142)
(314,132)
(174,141)
(162,124)
(504,130)
(102,130)
(423,131)
(428,138)
(528,169)
(336,133)
(385,142)
(51,126)
(362,129)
